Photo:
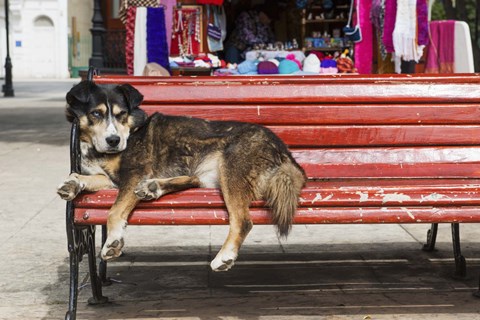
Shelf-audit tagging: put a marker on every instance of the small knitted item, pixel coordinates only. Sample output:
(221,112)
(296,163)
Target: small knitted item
(292,57)
(329,66)
(287,67)
(247,66)
(275,61)
(267,67)
(311,64)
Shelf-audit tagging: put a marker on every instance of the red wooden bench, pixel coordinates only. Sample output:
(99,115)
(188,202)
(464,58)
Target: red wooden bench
(376,149)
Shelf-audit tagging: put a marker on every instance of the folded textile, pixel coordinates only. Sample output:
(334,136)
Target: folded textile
(440,56)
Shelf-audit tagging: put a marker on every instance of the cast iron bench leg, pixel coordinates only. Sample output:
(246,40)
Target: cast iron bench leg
(102,266)
(72,302)
(431,238)
(460,264)
(95,280)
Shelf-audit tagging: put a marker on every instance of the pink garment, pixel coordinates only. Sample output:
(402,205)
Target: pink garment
(130,38)
(389,24)
(364,48)
(169,6)
(440,52)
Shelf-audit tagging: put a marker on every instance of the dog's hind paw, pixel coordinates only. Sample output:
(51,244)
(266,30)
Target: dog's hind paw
(148,190)
(223,262)
(70,188)
(112,249)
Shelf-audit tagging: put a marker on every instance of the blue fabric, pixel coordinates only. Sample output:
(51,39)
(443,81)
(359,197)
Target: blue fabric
(247,66)
(287,67)
(157,45)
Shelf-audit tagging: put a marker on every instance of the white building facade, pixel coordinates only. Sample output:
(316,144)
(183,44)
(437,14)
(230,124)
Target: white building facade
(38,38)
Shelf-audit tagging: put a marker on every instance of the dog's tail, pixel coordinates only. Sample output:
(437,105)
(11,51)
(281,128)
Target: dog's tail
(282,195)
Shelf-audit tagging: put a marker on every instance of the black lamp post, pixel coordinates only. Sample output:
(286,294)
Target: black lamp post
(98,32)
(7,88)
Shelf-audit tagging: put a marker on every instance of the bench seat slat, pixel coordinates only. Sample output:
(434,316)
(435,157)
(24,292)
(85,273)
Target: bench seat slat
(378,135)
(315,215)
(269,114)
(434,192)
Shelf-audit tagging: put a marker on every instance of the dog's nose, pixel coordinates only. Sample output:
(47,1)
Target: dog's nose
(113,141)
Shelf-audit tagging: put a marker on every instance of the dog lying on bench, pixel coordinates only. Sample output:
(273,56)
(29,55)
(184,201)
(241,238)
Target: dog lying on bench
(147,157)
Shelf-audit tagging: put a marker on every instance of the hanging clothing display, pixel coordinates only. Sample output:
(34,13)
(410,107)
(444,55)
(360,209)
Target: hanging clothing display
(389,24)
(441,55)
(126,4)
(146,36)
(169,6)
(377,15)
(187,31)
(157,48)
(364,49)
(217,27)
(129,38)
(422,22)
(405,34)
(140,45)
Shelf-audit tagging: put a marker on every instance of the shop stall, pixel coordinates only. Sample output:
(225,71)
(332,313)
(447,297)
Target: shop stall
(236,37)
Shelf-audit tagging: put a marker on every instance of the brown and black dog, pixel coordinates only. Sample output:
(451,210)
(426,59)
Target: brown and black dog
(147,157)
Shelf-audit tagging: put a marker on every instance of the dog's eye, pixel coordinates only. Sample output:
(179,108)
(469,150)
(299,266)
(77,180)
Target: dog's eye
(96,114)
(120,114)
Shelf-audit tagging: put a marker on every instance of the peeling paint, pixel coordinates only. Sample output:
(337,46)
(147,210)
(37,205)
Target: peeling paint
(318,197)
(363,196)
(409,213)
(433,197)
(330,196)
(395,197)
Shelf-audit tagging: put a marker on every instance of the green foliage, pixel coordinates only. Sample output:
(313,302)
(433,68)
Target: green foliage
(438,11)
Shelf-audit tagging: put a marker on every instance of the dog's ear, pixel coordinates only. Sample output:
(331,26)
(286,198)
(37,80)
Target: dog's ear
(78,97)
(80,93)
(133,96)
(138,117)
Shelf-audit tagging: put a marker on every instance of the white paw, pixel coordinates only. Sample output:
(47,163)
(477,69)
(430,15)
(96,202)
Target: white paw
(223,261)
(114,244)
(148,190)
(70,188)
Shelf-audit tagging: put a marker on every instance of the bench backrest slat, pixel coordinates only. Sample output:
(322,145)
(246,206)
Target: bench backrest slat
(388,113)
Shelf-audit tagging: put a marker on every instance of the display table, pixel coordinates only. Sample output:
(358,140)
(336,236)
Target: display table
(191,71)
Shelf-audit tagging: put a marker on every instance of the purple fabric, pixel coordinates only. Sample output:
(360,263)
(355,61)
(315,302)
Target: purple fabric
(389,24)
(376,14)
(169,5)
(157,47)
(422,22)
(249,30)
(267,67)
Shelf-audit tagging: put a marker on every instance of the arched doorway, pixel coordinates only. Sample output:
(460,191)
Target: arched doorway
(44,48)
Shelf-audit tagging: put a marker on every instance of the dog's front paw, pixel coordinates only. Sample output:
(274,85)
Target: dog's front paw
(70,188)
(112,248)
(223,261)
(148,190)
(114,243)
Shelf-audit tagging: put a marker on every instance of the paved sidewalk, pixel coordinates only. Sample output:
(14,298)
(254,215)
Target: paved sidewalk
(321,272)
